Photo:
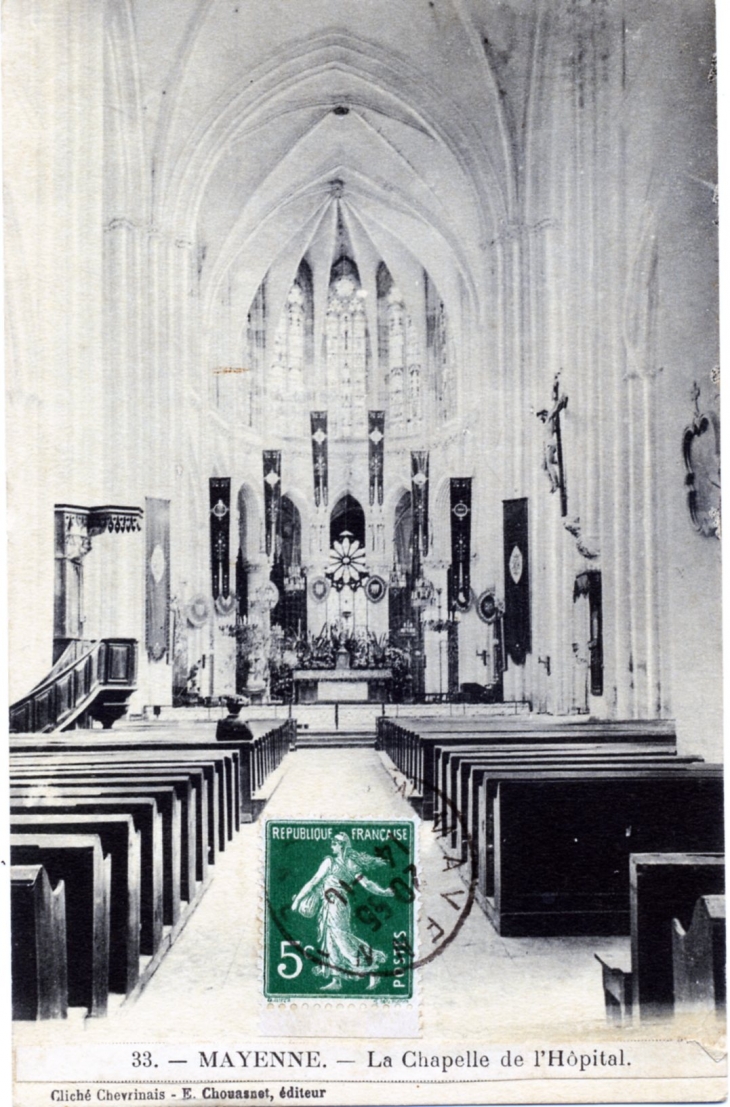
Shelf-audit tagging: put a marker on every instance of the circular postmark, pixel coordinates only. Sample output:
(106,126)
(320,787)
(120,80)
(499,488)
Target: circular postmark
(353,907)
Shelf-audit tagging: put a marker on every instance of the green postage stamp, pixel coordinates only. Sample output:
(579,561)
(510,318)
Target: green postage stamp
(340,909)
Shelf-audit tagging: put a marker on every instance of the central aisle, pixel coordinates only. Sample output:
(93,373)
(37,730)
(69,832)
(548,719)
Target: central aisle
(210,981)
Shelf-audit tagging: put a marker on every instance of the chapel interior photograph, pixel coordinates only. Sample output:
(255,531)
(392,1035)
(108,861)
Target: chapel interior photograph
(363,455)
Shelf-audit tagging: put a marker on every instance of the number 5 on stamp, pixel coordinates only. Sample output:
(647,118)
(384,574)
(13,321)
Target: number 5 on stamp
(340,909)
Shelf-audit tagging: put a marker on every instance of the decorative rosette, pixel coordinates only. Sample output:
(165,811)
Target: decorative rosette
(347,564)
(489,607)
(375,589)
(198,611)
(319,589)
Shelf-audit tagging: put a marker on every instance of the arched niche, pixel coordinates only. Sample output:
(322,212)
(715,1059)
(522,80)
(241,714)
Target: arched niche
(403,533)
(290,534)
(347,516)
(248,545)
(441,528)
(248,523)
(290,613)
(399,596)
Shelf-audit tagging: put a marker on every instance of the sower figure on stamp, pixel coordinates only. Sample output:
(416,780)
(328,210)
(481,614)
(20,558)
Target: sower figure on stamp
(327,895)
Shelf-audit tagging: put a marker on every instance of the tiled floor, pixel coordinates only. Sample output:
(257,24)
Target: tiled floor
(210,980)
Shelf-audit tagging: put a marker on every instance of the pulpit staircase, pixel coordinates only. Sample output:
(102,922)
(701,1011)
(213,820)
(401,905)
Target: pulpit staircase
(89,681)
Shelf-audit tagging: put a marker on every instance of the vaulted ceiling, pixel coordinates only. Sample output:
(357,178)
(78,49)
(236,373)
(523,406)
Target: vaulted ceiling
(265,122)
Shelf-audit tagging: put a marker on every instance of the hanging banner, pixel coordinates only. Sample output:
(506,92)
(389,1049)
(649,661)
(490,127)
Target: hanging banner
(272,497)
(376,435)
(220,530)
(241,587)
(419,500)
(517,632)
(318,420)
(157,577)
(460,543)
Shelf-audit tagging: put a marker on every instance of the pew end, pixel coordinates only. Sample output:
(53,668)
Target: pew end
(699,959)
(618,990)
(39,964)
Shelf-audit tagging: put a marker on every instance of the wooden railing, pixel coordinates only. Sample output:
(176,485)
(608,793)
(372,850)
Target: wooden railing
(261,749)
(89,680)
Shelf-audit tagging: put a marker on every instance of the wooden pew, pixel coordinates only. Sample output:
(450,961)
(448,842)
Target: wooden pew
(179,830)
(666,886)
(491,776)
(415,753)
(93,783)
(121,841)
(219,768)
(195,826)
(403,739)
(39,965)
(452,762)
(555,844)
(699,959)
(462,771)
(148,823)
(264,753)
(77,859)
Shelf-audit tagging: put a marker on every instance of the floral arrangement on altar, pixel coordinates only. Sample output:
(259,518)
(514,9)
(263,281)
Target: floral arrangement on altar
(279,653)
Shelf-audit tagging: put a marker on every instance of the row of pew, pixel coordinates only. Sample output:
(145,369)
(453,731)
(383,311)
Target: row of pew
(112,843)
(552,819)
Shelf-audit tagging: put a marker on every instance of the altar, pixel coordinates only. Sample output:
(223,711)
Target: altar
(342,685)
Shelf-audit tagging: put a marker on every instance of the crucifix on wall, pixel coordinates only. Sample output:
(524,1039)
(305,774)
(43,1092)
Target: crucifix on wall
(552,460)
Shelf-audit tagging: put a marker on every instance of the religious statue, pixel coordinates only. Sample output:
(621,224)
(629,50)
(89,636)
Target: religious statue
(552,458)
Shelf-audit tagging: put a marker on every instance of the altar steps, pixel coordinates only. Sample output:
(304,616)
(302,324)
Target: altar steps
(335,739)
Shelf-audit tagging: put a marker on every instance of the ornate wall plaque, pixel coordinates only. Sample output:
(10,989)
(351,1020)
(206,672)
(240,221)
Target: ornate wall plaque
(198,611)
(701,451)
(375,589)
(488,607)
(319,589)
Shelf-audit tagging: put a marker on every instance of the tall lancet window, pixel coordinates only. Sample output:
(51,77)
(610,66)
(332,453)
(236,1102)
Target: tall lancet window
(287,383)
(400,355)
(347,350)
(440,357)
(256,338)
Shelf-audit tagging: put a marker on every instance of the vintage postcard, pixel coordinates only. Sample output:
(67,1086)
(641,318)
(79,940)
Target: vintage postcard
(364,552)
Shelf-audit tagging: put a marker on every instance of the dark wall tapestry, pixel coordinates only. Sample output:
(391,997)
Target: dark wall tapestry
(220,536)
(517,629)
(157,577)
(272,497)
(419,494)
(376,437)
(460,581)
(318,421)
